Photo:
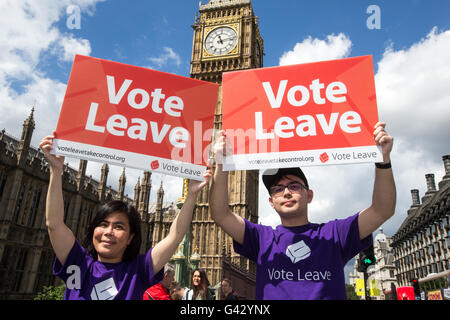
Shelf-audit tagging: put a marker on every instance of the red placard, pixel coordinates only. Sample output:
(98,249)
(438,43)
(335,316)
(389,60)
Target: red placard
(308,114)
(136,117)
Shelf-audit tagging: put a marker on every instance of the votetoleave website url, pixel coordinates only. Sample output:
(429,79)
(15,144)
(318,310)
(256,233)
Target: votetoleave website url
(282,160)
(92,154)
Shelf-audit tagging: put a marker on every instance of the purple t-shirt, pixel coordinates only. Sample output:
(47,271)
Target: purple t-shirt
(90,279)
(302,263)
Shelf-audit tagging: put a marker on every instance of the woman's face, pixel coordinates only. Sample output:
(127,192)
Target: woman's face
(111,237)
(196,278)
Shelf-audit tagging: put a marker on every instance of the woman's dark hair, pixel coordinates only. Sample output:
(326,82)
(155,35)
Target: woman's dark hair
(201,289)
(135,228)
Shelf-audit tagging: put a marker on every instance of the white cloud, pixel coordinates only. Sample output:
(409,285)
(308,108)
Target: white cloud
(166,57)
(413,98)
(28,33)
(312,50)
(49,95)
(413,93)
(71,46)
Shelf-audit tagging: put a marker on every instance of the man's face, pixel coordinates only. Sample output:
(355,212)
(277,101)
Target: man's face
(225,287)
(168,279)
(293,199)
(177,294)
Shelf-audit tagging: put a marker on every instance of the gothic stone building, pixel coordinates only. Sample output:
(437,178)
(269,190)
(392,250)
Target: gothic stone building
(26,256)
(422,243)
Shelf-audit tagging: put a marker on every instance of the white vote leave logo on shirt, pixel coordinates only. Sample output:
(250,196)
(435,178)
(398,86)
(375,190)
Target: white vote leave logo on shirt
(105,290)
(298,251)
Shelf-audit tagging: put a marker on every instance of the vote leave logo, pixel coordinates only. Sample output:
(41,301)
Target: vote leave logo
(105,290)
(324,157)
(154,165)
(298,251)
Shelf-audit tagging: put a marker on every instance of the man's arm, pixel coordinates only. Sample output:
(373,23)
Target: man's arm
(384,192)
(165,249)
(231,223)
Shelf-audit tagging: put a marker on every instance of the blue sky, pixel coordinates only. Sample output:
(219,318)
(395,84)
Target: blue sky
(411,61)
(133,33)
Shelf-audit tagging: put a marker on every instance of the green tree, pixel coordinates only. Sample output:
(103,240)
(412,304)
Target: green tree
(51,293)
(351,292)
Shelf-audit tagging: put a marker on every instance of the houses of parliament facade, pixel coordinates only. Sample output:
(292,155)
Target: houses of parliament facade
(26,255)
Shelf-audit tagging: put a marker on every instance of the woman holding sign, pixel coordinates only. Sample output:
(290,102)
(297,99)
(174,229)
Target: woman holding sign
(107,266)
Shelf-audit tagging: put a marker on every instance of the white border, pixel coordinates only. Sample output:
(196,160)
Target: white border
(303,158)
(132,160)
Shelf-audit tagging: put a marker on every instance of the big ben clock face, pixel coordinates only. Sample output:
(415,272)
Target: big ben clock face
(221,41)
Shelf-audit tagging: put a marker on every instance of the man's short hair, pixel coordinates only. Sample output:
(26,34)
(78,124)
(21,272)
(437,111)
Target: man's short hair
(169,269)
(272,176)
(227,281)
(175,286)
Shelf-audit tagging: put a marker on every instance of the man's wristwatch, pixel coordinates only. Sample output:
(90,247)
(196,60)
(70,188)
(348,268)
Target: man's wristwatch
(383,165)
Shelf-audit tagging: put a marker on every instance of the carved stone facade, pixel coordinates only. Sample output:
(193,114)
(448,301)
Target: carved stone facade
(422,243)
(26,256)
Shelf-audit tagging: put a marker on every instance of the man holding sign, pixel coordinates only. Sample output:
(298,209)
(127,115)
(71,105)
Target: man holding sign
(300,259)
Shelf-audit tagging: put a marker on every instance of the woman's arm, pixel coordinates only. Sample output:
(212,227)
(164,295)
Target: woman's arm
(61,237)
(165,249)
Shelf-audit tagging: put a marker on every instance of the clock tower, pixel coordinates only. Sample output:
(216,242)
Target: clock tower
(226,38)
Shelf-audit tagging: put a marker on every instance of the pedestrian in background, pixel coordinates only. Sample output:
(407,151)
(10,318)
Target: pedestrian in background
(161,291)
(200,286)
(177,292)
(227,290)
